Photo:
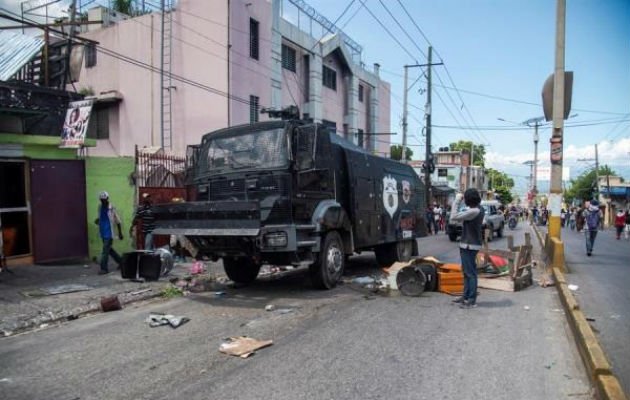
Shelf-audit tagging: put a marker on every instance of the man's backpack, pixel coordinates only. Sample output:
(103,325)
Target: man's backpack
(592,220)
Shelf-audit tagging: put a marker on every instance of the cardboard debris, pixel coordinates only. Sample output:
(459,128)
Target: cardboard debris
(242,346)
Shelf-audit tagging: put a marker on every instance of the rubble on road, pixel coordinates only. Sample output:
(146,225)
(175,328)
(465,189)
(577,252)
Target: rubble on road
(242,346)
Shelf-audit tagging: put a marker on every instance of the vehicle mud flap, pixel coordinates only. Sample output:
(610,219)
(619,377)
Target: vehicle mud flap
(411,281)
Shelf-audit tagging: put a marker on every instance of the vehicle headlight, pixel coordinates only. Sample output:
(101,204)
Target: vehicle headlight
(276,239)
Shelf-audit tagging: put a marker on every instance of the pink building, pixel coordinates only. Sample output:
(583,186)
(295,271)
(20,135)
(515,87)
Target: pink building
(228,59)
(276,64)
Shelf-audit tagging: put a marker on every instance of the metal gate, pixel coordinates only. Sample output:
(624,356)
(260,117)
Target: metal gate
(58,210)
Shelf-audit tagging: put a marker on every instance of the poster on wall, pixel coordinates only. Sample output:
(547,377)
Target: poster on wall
(76,123)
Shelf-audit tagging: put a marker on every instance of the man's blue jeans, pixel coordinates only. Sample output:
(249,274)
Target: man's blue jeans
(590,239)
(107,251)
(148,241)
(469,269)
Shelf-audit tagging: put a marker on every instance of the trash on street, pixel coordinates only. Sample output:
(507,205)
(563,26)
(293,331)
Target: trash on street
(175,321)
(111,303)
(69,288)
(573,287)
(242,346)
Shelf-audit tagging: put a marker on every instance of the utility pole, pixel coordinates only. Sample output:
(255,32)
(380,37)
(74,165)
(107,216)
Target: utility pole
(535,167)
(66,74)
(597,173)
(555,195)
(404,123)
(427,152)
(427,173)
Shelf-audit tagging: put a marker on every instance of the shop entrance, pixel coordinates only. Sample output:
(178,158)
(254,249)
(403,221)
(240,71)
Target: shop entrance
(59,213)
(14,209)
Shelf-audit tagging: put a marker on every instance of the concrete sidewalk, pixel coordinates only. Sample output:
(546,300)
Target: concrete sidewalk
(25,306)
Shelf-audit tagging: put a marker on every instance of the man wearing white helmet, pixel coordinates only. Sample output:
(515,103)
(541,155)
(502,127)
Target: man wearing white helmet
(107,219)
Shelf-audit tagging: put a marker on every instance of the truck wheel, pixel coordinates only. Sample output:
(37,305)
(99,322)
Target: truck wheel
(452,237)
(241,270)
(328,268)
(404,250)
(500,231)
(385,256)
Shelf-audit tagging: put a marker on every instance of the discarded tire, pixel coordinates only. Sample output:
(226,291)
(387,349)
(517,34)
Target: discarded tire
(430,272)
(411,281)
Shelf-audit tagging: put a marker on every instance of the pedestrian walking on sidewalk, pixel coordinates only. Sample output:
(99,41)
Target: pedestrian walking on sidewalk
(591,217)
(145,214)
(572,218)
(620,223)
(470,243)
(108,219)
(428,215)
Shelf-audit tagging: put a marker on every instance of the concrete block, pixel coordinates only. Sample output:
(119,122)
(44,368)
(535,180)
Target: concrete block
(596,359)
(608,388)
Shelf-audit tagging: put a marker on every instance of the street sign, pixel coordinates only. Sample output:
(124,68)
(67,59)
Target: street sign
(547,95)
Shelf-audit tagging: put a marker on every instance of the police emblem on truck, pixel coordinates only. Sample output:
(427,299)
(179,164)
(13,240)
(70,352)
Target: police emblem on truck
(390,195)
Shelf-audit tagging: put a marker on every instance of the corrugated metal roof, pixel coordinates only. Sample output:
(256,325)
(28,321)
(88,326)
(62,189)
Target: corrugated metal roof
(16,50)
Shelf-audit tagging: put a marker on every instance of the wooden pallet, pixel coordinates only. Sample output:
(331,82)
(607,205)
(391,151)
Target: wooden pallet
(519,275)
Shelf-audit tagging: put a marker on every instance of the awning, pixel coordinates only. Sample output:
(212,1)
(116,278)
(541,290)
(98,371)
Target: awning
(442,190)
(16,50)
(615,191)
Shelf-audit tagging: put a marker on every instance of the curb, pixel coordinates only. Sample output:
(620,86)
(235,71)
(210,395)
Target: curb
(68,315)
(593,356)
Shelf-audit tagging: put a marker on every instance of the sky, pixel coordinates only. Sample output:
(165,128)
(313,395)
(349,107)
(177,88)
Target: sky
(504,48)
(501,48)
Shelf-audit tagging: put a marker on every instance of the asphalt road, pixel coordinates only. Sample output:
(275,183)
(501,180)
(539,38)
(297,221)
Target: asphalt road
(604,292)
(339,344)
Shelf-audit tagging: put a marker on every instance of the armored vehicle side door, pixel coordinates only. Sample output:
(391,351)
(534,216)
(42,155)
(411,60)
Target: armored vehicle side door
(314,178)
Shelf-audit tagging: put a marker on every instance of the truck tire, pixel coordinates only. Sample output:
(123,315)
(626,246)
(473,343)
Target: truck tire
(328,267)
(452,237)
(241,270)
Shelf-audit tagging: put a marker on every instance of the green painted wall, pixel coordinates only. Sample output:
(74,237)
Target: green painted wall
(112,175)
(41,147)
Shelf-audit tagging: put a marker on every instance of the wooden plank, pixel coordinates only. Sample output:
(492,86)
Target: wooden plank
(502,284)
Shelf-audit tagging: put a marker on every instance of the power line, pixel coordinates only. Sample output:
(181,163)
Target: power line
(510,128)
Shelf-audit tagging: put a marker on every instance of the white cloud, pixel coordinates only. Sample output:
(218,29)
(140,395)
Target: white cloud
(609,152)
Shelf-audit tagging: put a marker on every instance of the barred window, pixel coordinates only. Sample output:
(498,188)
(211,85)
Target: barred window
(253,108)
(329,78)
(361,93)
(90,55)
(288,58)
(253,38)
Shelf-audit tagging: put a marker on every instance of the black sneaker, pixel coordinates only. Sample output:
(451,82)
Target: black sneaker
(459,299)
(588,254)
(467,304)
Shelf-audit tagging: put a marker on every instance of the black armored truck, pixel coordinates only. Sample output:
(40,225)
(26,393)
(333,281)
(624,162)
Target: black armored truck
(291,192)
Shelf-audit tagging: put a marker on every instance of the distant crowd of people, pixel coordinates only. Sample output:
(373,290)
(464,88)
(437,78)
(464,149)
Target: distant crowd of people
(436,218)
(587,218)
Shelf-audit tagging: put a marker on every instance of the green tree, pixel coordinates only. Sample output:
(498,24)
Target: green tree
(503,194)
(498,179)
(584,187)
(395,152)
(123,6)
(480,150)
